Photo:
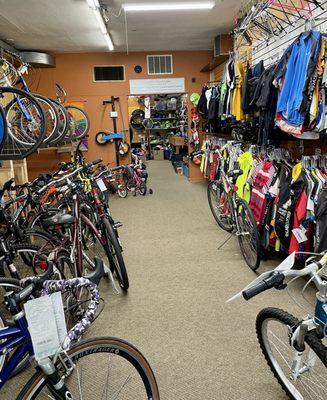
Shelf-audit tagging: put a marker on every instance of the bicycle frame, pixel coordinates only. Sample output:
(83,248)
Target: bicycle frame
(18,338)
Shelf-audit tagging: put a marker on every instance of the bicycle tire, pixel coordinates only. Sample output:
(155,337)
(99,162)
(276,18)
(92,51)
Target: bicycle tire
(52,113)
(3,128)
(115,255)
(107,345)
(215,193)
(143,189)
(14,148)
(247,220)
(63,123)
(311,339)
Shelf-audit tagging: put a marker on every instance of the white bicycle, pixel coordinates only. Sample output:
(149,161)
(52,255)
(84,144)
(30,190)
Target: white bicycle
(295,350)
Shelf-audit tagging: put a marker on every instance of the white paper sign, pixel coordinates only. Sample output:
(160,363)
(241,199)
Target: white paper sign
(101,185)
(157,86)
(46,324)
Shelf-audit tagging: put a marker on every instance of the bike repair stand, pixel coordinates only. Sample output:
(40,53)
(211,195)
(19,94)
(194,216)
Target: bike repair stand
(114,116)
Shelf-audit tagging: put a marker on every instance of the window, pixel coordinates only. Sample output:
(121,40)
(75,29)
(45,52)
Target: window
(160,65)
(107,73)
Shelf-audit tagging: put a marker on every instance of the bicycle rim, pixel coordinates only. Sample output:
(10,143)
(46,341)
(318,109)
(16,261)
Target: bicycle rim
(312,382)
(121,373)
(220,206)
(26,123)
(248,235)
(80,126)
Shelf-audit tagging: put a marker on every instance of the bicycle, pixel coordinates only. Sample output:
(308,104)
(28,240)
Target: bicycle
(232,213)
(295,349)
(91,225)
(73,371)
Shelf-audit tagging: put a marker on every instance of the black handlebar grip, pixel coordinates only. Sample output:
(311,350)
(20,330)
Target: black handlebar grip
(255,290)
(276,279)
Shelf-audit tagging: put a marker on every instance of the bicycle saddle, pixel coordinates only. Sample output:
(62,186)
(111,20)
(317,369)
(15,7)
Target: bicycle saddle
(58,219)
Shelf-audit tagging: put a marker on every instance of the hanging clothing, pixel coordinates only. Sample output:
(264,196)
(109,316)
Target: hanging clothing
(290,98)
(237,110)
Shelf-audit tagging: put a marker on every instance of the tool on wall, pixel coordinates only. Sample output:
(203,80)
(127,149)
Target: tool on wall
(118,138)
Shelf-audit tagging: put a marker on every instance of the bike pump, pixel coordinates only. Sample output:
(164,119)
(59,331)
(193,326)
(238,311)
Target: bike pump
(114,116)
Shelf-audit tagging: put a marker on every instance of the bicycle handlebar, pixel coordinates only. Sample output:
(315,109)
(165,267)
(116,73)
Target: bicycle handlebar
(275,280)
(59,180)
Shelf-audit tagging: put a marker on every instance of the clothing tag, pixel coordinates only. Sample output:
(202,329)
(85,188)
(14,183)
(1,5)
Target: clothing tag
(42,326)
(300,234)
(101,185)
(58,309)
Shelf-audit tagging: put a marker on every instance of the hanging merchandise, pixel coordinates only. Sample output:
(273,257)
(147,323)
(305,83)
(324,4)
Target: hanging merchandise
(195,140)
(298,76)
(137,119)
(287,198)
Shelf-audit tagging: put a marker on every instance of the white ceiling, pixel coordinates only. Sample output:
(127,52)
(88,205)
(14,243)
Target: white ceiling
(70,26)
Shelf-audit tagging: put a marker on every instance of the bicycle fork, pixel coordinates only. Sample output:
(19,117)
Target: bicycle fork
(56,382)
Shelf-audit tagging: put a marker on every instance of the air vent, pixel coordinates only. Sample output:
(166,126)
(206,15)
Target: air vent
(160,64)
(108,73)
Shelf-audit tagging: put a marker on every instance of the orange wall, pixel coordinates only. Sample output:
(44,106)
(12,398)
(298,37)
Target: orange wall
(75,73)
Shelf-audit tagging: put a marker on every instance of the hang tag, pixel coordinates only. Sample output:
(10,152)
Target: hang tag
(58,309)
(113,114)
(101,185)
(300,234)
(46,324)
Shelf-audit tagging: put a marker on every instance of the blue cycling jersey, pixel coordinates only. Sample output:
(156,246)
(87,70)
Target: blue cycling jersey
(291,95)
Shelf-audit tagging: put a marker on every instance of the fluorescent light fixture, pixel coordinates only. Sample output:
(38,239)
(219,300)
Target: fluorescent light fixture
(101,23)
(108,40)
(94,4)
(207,5)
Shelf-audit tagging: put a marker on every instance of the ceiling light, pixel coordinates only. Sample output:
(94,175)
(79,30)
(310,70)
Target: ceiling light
(108,40)
(207,5)
(101,23)
(94,4)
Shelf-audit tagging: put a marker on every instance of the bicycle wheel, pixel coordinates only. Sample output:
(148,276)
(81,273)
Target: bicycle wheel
(105,368)
(79,122)
(115,255)
(52,117)
(273,327)
(26,123)
(220,205)
(143,189)
(63,123)
(248,236)
(3,128)
(122,191)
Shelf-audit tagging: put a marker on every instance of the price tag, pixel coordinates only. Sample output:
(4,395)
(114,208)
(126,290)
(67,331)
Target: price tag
(101,185)
(113,114)
(46,324)
(300,234)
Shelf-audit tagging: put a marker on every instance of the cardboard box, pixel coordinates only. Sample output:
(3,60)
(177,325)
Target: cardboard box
(177,141)
(158,155)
